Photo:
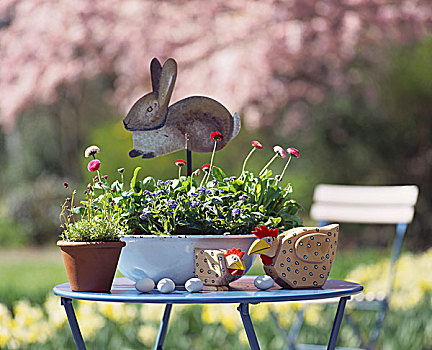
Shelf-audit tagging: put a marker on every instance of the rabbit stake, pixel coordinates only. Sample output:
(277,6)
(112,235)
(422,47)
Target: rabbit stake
(159,129)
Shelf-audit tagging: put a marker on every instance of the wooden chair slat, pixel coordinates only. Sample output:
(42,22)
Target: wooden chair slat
(372,214)
(393,195)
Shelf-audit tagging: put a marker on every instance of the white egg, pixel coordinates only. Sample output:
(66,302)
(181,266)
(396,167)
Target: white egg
(263,282)
(165,285)
(194,285)
(144,285)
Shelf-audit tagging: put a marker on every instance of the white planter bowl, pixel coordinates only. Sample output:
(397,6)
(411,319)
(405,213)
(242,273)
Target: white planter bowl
(158,257)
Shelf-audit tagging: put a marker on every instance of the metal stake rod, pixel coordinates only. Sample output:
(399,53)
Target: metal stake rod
(188,155)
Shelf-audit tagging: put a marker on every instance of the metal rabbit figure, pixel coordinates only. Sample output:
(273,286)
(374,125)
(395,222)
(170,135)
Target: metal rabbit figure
(159,129)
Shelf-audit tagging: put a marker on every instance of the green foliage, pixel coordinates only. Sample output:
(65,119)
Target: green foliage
(93,230)
(224,204)
(99,216)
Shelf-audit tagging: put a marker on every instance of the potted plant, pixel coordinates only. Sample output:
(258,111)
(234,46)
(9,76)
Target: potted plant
(90,238)
(166,220)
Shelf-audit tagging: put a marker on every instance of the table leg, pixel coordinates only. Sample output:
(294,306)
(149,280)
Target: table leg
(243,308)
(163,327)
(337,323)
(79,341)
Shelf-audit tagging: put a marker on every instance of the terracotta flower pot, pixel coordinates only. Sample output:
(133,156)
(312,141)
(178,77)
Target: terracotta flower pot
(90,266)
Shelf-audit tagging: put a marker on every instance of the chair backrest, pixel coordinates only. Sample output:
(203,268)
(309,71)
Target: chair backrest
(364,204)
(368,205)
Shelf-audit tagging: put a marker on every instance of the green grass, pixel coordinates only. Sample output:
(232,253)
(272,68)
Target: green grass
(29,274)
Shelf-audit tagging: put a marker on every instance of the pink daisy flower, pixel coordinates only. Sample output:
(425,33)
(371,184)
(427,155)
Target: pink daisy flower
(280,151)
(205,167)
(216,136)
(94,165)
(294,151)
(257,144)
(91,151)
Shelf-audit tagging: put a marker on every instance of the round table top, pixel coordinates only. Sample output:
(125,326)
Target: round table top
(241,291)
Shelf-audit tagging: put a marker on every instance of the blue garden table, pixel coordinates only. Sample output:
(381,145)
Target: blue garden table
(241,291)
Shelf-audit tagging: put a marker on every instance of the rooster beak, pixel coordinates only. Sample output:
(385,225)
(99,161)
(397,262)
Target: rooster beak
(259,247)
(239,265)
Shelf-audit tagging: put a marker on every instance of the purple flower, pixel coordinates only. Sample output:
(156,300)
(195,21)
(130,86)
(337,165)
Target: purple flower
(160,192)
(215,181)
(209,192)
(235,212)
(194,195)
(160,182)
(232,178)
(172,204)
(194,203)
(201,189)
(143,216)
(243,197)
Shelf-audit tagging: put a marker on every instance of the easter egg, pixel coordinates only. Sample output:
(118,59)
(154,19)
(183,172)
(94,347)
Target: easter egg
(144,285)
(194,285)
(263,282)
(165,285)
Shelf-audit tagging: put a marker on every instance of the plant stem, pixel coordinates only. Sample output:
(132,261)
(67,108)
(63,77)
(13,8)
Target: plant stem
(207,176)
(246,159)
(268,164)
(179,173)
(283,171)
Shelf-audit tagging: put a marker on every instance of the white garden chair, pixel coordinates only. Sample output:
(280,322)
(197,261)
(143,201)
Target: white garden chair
(392,205)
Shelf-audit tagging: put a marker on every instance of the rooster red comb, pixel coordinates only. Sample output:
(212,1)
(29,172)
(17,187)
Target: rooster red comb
(263,231)
(235,251)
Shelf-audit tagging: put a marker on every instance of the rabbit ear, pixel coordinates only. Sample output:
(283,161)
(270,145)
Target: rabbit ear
(167,81)
(155,72)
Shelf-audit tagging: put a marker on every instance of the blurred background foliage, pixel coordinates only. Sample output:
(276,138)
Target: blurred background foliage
(344,139)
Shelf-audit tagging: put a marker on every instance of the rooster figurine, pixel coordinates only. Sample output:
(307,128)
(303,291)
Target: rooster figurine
(216,268)
(298,258)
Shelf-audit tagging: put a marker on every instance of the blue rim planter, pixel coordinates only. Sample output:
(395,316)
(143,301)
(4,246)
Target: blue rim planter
(158,257)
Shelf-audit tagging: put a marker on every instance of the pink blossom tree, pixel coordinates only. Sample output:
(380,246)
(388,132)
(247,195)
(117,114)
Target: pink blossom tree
(253,56)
